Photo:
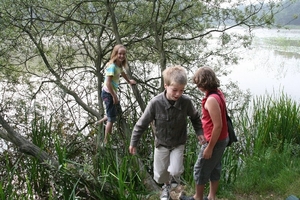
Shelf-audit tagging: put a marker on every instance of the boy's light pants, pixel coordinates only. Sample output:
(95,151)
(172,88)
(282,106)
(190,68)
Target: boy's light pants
(168,163)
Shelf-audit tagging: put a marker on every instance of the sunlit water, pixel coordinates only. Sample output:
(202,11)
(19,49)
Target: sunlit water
(270,68)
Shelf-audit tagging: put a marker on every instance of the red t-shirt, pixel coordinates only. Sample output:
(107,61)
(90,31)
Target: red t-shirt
(207,124)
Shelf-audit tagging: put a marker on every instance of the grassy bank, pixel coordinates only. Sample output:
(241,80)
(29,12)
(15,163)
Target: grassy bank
(264,164)
(268,150)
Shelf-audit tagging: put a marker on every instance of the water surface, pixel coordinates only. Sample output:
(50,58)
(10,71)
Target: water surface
(273,64)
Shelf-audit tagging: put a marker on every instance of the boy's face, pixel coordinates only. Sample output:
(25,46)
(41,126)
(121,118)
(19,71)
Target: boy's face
(174,91)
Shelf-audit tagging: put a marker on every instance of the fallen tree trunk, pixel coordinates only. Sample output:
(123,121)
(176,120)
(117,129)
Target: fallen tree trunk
(24,145)
(31,149)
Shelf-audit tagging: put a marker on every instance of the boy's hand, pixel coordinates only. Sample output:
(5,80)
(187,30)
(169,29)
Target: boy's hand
(132,150)
(201,139)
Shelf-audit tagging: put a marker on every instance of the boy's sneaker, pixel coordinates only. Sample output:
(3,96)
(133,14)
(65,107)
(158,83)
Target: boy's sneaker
(175,181)
(165,194)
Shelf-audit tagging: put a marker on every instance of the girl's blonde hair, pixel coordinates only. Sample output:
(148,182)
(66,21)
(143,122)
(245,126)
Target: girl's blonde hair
(175,75)
(114,55)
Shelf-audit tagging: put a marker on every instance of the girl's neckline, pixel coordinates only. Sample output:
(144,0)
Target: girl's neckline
(118,64)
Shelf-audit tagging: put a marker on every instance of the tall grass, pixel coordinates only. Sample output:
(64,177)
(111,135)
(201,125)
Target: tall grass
(266,158)
(191,154)
(269,142)
(276,122)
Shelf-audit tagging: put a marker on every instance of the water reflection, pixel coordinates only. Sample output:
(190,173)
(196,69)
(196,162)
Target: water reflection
(287,55)
(270,68)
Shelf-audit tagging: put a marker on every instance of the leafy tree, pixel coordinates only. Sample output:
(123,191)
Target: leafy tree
(53,57)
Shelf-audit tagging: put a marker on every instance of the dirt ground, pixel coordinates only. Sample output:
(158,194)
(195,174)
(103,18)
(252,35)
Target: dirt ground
(175,194)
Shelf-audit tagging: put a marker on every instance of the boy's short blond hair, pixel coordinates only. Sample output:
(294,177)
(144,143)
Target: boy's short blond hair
(175,75)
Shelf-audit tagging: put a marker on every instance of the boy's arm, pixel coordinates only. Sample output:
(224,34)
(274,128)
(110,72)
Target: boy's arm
(196,122)
(141,125)
(197,125)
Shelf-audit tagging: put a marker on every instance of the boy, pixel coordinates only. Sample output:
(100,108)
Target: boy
(169,111)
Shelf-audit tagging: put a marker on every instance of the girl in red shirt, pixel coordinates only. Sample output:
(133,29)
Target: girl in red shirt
(208,165)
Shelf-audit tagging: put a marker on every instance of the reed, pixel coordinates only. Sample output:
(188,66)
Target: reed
(266,158)
(269,135)
(276,122)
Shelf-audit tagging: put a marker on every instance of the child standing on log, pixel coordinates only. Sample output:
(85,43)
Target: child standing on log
(115,68)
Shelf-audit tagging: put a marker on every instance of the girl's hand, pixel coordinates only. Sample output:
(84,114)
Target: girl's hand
(207,153)
(115,99)
(132,82)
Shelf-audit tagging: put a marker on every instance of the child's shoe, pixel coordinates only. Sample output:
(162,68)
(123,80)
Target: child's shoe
(165,194)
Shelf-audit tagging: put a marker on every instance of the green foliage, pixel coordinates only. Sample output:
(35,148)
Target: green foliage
(270,141)
(190,157)
(250,166)
(287,47)
(271,171)
(53,55)
(231,165)
(282,42)
(64,42)
(276,122)
(106,173)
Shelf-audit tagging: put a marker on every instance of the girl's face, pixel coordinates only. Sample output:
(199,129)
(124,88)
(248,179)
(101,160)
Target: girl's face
(174,91)
(121,55)
(201,89)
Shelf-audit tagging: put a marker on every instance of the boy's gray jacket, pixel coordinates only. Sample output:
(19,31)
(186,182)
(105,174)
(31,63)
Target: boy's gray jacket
(170,121)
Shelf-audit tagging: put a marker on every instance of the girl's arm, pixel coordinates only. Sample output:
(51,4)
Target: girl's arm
(111,90)
(214,110)
(129,81)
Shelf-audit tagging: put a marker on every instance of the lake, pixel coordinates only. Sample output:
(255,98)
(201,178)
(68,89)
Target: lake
(273,64)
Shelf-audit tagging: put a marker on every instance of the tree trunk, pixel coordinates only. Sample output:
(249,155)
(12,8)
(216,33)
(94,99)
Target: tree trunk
(24,145)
